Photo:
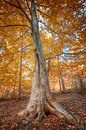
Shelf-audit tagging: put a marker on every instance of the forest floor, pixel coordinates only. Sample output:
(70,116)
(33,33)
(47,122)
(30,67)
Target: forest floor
(74,102)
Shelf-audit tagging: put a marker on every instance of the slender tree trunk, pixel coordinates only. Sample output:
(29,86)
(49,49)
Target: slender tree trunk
(60,84)
(48,69)
(41,100)
(61,78)
(20,74)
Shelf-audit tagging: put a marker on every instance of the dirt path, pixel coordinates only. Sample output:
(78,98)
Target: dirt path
(75,103)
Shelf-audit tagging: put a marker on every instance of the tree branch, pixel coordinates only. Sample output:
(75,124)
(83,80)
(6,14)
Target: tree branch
(50,28)
(24,12)
(19,7)
(42,12)
(16,56)
(24,48)
(15,25)
(11,4)
(18,38)
(75,53)
(40,3)
(28,7)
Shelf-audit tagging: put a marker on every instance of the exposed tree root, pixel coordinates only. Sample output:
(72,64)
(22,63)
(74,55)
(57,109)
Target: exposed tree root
(41,100)
(60,111)
(51,106)
(40,116)
(23,113)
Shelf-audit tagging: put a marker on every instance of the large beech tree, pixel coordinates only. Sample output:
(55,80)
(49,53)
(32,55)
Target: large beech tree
(41,100)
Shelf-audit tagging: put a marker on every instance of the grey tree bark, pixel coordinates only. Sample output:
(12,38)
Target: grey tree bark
(41,100)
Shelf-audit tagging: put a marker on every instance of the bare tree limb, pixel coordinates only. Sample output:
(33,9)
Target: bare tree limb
(40,3)
(73,54)
(11,4)
(24,12)
(16,56)
(28,7)
(15,25)
(50,28)
(42,13)
(24,48)
(19,7)
(18,38)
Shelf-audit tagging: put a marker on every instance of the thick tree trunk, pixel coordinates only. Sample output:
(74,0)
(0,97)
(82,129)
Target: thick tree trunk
(41,100)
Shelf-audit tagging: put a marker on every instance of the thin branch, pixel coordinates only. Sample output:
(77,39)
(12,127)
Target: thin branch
(53,57)
(46,25)
(57,55)
(40,3)
(11,4)
(18,38)
(24,48)
(42,12)
(19,7)
(16,56)
(28,7)
(76,53)
(50,28)
(24,12)
(15,25)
